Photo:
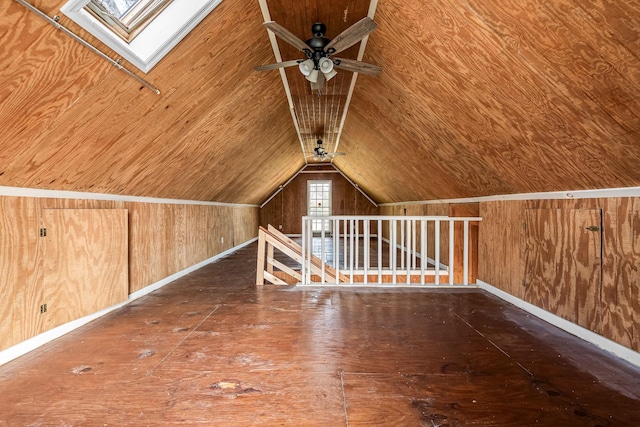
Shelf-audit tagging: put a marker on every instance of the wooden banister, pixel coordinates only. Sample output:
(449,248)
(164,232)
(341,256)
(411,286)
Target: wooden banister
(269,239)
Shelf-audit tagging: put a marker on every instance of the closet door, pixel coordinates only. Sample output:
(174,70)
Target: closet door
(85,262)
(562,256)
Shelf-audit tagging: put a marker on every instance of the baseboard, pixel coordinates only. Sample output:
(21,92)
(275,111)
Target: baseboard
(599,341)
(33,343)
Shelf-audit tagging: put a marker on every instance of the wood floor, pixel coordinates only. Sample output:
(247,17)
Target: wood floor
(212,349)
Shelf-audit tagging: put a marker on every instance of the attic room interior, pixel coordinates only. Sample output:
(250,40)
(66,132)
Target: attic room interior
(482,154)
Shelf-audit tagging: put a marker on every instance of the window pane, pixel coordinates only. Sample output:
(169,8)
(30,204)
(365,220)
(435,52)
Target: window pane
(117,8)
(319,204)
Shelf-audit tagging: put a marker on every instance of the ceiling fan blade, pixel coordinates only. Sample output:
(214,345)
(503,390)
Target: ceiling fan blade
(351,35)
(339,153)
(286,35)
(276,65)
(357,66)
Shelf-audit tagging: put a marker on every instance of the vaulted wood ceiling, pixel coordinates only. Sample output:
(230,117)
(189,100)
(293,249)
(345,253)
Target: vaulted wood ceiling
(476,97)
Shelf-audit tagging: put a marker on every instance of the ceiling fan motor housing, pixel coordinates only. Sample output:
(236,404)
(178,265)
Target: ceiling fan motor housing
(318,42)
(318,29)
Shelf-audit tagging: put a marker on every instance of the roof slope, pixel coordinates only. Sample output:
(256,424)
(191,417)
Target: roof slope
(476,97)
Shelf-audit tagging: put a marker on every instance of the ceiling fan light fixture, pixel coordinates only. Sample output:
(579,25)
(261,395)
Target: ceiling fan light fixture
(331,74)
(312,76)
(306,67)
(325,65)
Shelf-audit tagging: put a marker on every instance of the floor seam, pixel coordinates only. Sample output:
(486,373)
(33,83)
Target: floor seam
(344,397)
(495,345)
(152,370)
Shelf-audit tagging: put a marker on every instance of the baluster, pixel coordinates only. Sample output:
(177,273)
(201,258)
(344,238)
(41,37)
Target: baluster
(346,237)
(408,252)
(394,262)
(465,273)
(379,232)
(437,251)
(402,225)
(367,236)
(451,251)
(423,248)
(351,251)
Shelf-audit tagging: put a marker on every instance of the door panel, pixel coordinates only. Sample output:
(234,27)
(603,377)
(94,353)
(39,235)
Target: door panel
(85,262)
(563,263)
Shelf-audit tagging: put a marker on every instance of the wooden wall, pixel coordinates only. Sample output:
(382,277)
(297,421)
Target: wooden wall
(289,206)
(163,239)
(85,263)
(508,246)
(589,278)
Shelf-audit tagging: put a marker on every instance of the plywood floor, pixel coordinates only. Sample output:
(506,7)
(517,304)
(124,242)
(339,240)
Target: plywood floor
(211,349)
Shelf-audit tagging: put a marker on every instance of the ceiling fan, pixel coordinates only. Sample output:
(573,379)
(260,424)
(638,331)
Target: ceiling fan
(320,154)
(319,66)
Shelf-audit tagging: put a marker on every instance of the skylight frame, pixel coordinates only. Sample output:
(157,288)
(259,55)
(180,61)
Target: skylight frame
(156,40)
(131,22)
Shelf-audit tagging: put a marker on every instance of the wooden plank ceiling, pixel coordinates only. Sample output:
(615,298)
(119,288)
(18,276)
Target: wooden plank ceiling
(476,97)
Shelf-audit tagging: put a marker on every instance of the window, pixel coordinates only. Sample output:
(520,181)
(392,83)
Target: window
(319,203)
(163,25)
(126,18)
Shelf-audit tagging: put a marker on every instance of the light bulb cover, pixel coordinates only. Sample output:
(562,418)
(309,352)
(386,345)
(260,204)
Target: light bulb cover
(306,67)
(325,65)
(329,75)
(312,76)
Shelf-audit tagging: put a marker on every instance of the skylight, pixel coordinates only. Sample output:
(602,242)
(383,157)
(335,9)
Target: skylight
(126,18)
(142,31)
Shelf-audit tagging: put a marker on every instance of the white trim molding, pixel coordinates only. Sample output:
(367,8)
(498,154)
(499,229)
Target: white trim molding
(156,40)
(61,194)
(599,341)
(31,344)
(319,171)
(553,195)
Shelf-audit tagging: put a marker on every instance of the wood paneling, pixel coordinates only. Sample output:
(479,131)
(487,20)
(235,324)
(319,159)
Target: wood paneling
(18,269)
(499,246)
(163,239)
(490,97)
(475,98)
(85,262)
(73,122)
(621,276)
(166,239)
(502,263)
(562,264)
(245,223)
(290,205)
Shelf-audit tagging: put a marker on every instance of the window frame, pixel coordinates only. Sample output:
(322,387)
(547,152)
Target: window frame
(121,28)
(156,40)
(328,185)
